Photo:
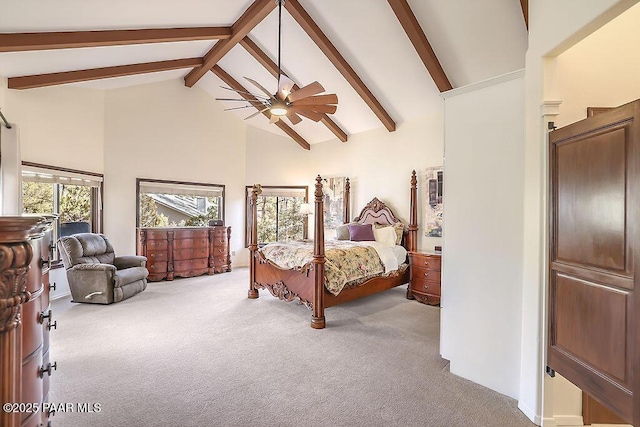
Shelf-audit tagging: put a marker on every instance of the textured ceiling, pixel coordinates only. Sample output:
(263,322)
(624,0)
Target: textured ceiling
(473,41)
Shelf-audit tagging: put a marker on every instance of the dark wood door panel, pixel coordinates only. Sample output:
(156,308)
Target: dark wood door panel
(587,313)
(591,206)
(594,312)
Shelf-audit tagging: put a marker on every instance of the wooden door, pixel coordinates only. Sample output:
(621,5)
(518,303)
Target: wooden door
(593,315)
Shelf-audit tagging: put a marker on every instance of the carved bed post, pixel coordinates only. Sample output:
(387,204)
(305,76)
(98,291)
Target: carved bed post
(413,220)
(253,242)
(347,202)
(317,319)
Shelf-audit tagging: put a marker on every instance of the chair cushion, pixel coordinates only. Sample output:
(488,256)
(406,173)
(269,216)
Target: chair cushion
(129,275)
(86,248)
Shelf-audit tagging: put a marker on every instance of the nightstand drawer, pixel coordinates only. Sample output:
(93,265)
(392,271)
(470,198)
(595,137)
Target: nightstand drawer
(431,262)
(425,286)
(418,273)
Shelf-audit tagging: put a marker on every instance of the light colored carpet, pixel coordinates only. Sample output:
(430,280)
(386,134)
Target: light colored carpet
(197,352)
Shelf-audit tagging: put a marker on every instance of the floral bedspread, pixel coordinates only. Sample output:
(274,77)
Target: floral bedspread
(346,261)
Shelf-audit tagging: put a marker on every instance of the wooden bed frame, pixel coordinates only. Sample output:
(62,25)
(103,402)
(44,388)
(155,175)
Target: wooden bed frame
(306,283)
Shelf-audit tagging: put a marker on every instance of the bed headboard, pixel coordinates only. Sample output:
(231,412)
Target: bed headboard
(376,212)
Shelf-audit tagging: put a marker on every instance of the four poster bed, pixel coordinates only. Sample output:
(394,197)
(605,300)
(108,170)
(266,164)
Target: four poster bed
(313,282)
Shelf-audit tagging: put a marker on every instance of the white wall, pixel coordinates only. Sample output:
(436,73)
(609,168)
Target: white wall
(378,164)
(482,260)
(168,131)
(60,126)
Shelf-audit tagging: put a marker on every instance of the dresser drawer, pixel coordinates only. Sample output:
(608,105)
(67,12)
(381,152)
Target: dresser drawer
(191,234)
(431,262)
(418,273)
(157,267)
(190,243)
(155,234)
(156,256)
(219,261)
(190,253)
(425,286)
(156,245)
(220,241)
(220,232)
(220,251)
(31,326)
(192,264)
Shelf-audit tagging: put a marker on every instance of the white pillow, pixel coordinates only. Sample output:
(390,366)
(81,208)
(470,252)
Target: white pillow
(385,235)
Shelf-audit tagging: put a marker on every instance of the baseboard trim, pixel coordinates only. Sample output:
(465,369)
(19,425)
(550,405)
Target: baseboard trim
(563,421)
(530,413)
(58,296)
(568,420)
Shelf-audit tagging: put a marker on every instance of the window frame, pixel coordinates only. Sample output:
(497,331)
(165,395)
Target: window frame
(96,198)
(178,183)
(305,227)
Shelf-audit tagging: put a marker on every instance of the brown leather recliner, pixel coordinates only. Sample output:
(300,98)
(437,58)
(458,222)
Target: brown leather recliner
(95,274)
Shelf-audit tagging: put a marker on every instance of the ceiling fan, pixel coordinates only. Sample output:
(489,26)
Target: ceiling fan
(304,101)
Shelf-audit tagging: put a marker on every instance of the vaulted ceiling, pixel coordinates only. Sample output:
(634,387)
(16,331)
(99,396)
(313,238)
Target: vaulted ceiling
(387,60)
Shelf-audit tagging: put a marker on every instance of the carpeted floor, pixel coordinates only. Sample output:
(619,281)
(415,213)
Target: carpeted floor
(197,352)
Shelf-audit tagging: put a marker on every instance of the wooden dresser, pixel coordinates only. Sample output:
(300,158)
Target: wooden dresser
(185,251)
(25,320)
(424,284)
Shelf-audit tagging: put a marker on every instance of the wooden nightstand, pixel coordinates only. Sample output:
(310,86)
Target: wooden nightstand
(424,284)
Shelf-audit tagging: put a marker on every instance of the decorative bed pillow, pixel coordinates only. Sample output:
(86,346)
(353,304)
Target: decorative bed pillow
(342,232)
(361,232)
(399,229)
(385,235)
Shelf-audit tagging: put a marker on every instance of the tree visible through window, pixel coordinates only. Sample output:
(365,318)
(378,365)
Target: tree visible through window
(178,204)
(278,212)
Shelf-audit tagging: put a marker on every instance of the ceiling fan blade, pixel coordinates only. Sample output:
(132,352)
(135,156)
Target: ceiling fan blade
(310,89)
(331,98)
(316,117)
(285,84)
(259,86)
(255,101)
(322,109)
(273,119)
(256,113)
(293,117)
(246,93)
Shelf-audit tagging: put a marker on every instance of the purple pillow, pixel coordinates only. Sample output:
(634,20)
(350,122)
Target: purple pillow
(361,232)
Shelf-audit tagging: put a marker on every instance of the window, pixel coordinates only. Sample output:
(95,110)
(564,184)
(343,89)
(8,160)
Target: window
(178,204)
(76,196)
(279,218)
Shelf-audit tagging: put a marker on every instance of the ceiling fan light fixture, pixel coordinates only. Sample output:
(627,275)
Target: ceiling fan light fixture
(278,108)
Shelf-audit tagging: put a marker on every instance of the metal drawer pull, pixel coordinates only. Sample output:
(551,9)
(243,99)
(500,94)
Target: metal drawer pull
(426,263)
(44,316)
(50,368)
(52,287)
(53,325)
(426,274)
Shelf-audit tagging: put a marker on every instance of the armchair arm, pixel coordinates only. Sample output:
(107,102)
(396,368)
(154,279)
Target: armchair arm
(98,267)
(129,261)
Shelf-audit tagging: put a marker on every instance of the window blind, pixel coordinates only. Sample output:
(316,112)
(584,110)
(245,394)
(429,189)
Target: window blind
(42,174)
(203,190)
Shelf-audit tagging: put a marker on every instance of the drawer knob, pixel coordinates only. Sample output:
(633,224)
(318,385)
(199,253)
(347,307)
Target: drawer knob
(50,368)
(426,274)
(426,287)
(426,263)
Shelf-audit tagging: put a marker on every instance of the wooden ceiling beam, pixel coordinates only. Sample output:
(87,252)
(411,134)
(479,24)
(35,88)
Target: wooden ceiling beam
(234,84)
(53,79)
(260,56)
(18,42)
(419,40)
(258,10)
(524,4)
(322,41)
